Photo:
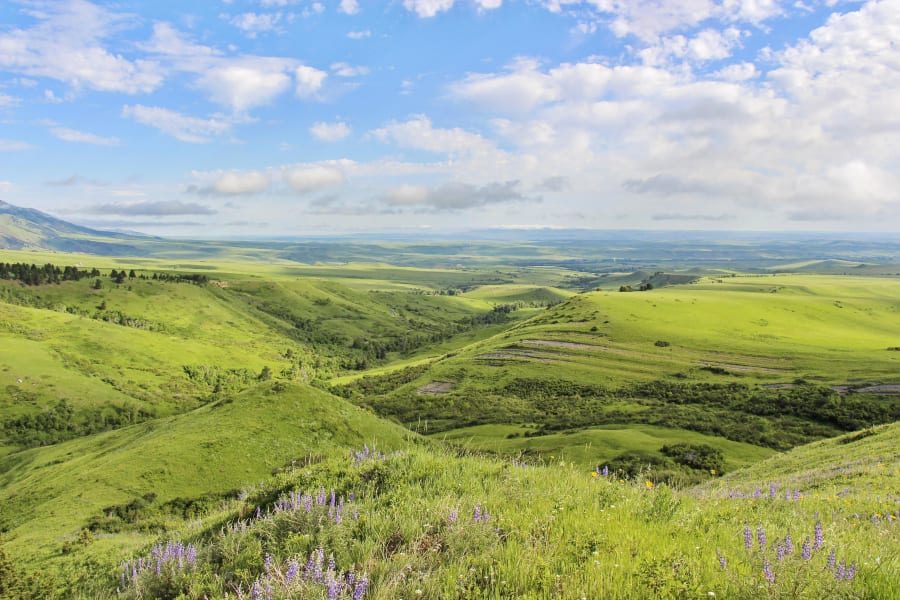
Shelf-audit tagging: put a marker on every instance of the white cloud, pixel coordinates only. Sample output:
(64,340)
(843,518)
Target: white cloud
(252,24)
(418,133)
(67,44)
(348,7)
(359,35)
(310,178)
(330,132)
(246,83)
(342,69)
(428,8)
(738,72)
(179,126)
(72,135)
(235,183)
(309,81)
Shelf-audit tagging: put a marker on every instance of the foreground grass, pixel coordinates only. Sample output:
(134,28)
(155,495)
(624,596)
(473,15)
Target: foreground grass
(432,524)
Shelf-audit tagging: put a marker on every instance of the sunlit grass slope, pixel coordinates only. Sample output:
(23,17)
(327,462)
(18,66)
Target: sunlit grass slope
(765,329)
(425,523)
(48,494)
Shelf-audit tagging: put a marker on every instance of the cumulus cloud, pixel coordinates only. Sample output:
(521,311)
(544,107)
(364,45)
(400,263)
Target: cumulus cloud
(246,83)
(348,7)
(418,133)
(66,43)
(234,183)
(182,127)
(152,208)
(73,135)
(342,69)
(252,24)
(359,35)
(309,81)
(330,132)
(430,8)
(304,179)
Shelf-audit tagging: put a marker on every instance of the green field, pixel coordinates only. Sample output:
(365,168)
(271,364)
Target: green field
(172,404)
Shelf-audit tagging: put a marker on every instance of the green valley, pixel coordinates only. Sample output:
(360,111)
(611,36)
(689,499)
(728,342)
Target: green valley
(443,430)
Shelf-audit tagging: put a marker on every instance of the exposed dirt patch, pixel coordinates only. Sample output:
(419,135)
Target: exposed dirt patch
(436,388)
(515,355)
(743,368)
(566,345)
(881,389)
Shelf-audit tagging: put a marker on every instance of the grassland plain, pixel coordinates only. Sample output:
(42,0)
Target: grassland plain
(421,327)
(712,357)
(820,521)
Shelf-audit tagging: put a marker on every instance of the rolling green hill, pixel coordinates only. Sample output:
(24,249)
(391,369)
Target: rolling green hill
(49,494)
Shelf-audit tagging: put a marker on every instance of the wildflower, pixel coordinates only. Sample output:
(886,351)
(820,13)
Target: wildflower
(839,572)
(779,551)
(476,515)
(722,560)
(595,474)
(851,573)
(772,489)
(761,537)
(649,485)
(712,471)
(748,537)
(788,544)
(807,549)
(767,572)
(605,471)
(831,558)
(360,589)
(820,537)
(292,571)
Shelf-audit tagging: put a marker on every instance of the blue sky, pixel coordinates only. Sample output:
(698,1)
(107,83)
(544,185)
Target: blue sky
(289,117)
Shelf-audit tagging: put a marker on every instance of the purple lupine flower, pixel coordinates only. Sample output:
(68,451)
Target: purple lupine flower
(485,517)
(831,558)
(476,515)
(839,572)
(788,544)
(360,589)
(320,558)
(796,494)
(850,573)
(332,499)
(352,497)
(292,571)
(807,549)
(757,493)
(355,515)
(320,499)
(772,490)
(307,503)
(337,513)
(453,516)
(767,572)
(722,560)
(779,551)
(332,586)
(761,537)
(267,563)
(820,537)
(331,566)
(605,472)
(255,592)
(748,537)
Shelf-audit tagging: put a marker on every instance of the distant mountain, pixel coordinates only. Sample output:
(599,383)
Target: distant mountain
(30,229)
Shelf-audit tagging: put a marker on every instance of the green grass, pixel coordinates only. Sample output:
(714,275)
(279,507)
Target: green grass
(48,494)
(595,446)
(553,531)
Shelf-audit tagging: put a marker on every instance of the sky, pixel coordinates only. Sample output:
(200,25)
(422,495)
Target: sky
(257,118)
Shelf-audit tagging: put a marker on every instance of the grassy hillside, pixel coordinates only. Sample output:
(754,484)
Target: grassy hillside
(425,523)
(772,361)
(50,494)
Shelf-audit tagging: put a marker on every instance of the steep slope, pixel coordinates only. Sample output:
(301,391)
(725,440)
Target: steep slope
(49,494)
(27,228)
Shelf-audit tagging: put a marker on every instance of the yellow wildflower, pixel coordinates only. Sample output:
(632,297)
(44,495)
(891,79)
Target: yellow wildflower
(649,485)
